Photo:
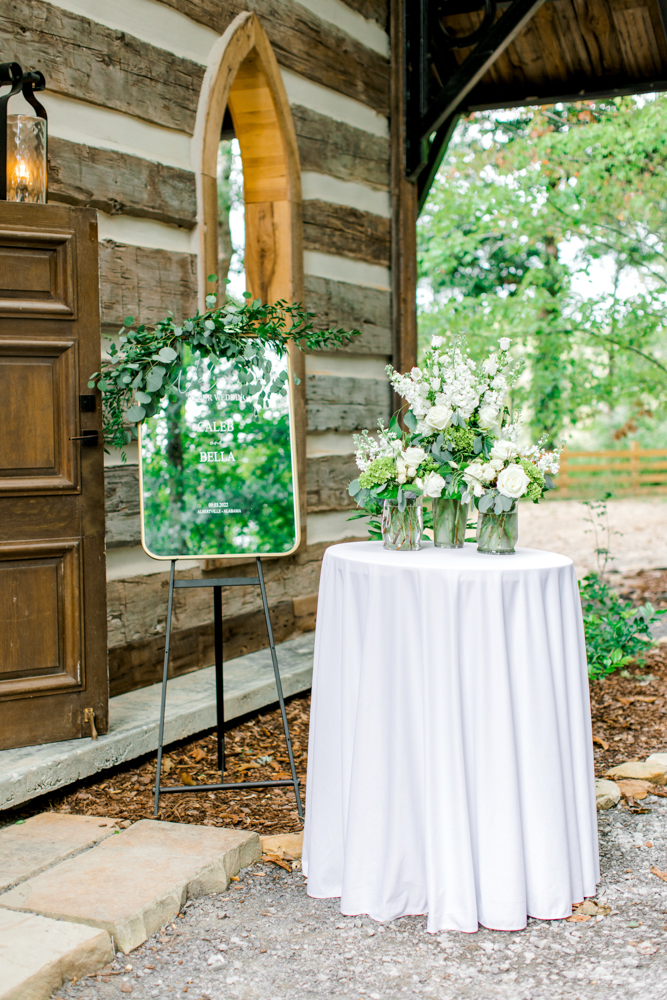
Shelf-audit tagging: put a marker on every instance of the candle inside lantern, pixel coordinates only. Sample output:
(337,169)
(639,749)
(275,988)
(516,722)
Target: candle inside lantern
(26,158)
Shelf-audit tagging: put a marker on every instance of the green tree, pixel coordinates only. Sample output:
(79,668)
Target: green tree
(527,205)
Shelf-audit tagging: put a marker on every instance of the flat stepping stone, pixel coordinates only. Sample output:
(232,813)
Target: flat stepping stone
(42,841)
(38,954)
(135,881)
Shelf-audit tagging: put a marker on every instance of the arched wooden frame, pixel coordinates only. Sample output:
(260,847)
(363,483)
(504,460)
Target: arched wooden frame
(243,74)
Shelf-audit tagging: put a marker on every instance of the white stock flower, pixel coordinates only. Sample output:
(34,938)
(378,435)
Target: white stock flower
(490,365)
(489,471)
(512,482)
(416,373)
(432,484)
(439,417)
(504,343)
(437,341)
(505,451)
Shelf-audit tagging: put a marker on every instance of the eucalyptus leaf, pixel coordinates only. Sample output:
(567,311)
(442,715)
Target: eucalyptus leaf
(167,354)
(143,397)
(486,502)
(410,421)
(477,445)
(549,483)
(154,382)
(505,502)
(135,414)
(498,507)
(353,487)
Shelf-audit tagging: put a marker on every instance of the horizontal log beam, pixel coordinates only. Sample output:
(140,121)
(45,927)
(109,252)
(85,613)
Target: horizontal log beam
(346,404)
(84,59)
(337,229)
(306,44)
(326,482)
(353,307)
(145,283)
(372,10)
(120,184)
(337,149)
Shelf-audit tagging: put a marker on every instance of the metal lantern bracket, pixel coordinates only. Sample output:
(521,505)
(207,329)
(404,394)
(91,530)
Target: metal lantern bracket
(12,74)
(217,585)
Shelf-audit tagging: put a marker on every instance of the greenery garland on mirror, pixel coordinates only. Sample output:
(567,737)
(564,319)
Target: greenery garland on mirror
(146,362)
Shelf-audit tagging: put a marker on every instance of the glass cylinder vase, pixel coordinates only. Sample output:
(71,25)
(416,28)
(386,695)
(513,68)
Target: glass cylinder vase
(402,529)
(450,517)
(497,534)
(26,159)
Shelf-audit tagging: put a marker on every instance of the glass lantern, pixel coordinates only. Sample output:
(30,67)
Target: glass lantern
(26,159)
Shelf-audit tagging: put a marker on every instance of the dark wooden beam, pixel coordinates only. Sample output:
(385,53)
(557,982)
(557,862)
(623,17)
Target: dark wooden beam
(473,68)
(591,91)
(436,153)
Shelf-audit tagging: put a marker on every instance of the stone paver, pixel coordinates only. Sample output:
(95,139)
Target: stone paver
(136,880)
(284,843)
(643,770)
(265,939)
(607,794)
(28,848)
(38,954)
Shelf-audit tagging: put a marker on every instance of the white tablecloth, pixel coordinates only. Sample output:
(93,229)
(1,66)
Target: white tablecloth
(450,763)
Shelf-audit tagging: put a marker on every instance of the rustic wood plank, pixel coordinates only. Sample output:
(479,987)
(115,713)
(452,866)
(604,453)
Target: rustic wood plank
(346,404)
(305,44)
(121,505)
(119,184)
(145,283)
(346,231)
(84,59)
(372,10)
(327,478)
(353,307)
(331,147)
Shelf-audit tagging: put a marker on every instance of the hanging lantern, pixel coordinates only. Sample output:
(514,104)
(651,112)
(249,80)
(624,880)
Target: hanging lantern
(24,138)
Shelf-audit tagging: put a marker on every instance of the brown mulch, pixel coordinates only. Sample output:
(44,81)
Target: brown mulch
(630,713)
(125,792)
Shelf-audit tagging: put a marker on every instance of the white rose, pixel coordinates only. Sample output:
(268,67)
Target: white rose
(439,417)
(432,484)
(488,417)
(505,451)
(478,490)
(401,477)
(474,473)
(504,343)
(413,456)
(512,481)
(497,464)
(489,471)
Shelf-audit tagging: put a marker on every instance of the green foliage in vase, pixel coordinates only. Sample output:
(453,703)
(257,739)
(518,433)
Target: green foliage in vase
(147,361)
(529,204)
(617,633)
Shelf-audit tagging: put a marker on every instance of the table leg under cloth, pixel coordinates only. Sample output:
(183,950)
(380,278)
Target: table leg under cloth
(450,763)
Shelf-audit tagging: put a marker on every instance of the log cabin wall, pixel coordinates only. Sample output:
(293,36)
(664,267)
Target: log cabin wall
(124,82)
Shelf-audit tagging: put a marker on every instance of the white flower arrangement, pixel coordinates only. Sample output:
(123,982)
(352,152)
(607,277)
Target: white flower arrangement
(509,474)
(450,389)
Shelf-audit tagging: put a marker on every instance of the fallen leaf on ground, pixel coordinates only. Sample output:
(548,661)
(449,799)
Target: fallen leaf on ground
(603,744)
(646,948)
(592,909)
(656,871)
(167,765)
(276,859)
(578,918)
(660,792)
(198,754)
(186,779)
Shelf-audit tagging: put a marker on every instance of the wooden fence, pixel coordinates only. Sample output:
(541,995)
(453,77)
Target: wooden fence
(591,474)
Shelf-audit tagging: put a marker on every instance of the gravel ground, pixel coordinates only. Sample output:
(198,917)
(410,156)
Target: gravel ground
(265,939)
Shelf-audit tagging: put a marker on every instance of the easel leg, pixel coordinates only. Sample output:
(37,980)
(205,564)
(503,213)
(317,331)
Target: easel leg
(219,679)
(163,701)
(274,657)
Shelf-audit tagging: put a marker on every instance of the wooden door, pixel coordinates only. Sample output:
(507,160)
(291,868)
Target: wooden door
(53,644)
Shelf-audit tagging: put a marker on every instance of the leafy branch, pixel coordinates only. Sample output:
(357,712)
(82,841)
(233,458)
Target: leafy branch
(148,361)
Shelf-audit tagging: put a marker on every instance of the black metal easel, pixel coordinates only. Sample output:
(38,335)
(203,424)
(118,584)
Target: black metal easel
(219,688)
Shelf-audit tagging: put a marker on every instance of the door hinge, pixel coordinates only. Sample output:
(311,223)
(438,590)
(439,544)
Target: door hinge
(89,716)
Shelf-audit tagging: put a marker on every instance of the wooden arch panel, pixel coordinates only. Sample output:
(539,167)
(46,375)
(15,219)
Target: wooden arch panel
(243,73)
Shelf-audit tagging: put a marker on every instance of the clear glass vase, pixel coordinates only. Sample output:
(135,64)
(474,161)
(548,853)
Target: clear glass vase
(498,534)
(402,530)
(450,517)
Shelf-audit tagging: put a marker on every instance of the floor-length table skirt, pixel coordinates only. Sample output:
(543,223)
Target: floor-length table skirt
(450,763)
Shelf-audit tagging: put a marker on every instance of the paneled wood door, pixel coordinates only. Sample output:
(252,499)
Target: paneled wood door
(53,642)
